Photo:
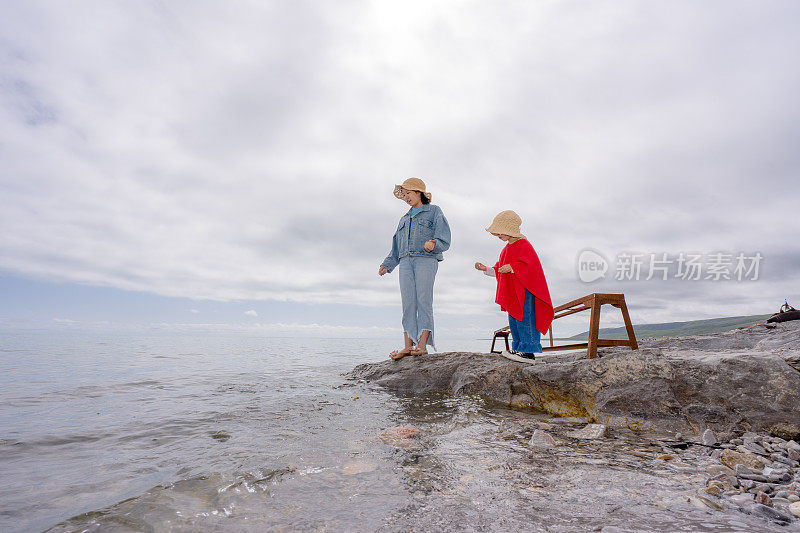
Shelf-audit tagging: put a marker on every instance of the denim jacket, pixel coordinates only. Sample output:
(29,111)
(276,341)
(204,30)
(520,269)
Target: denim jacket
(428,224)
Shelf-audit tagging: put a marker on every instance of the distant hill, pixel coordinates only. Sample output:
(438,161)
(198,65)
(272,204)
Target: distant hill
(678,329)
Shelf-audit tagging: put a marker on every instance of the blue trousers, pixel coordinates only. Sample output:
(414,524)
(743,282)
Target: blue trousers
(417,275)
(525,337)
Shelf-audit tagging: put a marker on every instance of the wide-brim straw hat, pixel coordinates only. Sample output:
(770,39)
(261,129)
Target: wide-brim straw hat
(506,223)
(411,184)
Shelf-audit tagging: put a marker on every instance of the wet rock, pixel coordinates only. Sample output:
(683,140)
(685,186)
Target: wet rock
(709,439)
(358,467)
(590,431)
(542,440)
(731,458)
(400,436)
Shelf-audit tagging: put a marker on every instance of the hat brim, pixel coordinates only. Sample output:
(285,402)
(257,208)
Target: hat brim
(496,230)
(398,194)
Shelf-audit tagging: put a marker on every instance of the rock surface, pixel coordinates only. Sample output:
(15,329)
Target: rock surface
(729,382)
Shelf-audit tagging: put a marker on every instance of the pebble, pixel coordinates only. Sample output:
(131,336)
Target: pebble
(590,431)
(731,458)
(781,459)
(763,499)
(753,447)
(741,499)
(795,509)
(709,439)
(708,502)
(747,484)
(719,469)
(542,439)
(770,513)
(740,469)
(793,498)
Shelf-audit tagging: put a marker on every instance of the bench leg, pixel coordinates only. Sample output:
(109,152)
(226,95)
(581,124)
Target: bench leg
(629,326)
(594,329)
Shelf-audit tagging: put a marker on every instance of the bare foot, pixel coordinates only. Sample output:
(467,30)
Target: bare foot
(399,354)
(419,351)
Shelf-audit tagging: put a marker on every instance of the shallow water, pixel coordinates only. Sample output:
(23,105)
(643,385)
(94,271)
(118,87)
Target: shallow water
(221,432)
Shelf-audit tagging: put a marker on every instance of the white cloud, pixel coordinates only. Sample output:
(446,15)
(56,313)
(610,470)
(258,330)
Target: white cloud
(194,311)
(248,152)
(251,313)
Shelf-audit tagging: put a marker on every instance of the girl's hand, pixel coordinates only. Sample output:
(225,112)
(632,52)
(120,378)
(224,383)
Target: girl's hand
(480,266)
(430,245)
(505,269)
(382,270)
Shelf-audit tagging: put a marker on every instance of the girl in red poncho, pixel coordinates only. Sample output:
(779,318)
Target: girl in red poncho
(521,288)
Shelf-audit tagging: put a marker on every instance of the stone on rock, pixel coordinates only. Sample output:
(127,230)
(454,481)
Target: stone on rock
(709,439)
(358,467)
(731,458)
(719,469)
(590,431)
(747,484)
(742,499)
(542,439)
(755,448)
(785,430)
(793,498)
(740,469)
(763,499)
(794,508)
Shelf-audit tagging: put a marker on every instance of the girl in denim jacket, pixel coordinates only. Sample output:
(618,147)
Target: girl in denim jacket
(421,236)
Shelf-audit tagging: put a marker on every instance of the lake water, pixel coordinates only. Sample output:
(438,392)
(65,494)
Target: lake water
(209,432)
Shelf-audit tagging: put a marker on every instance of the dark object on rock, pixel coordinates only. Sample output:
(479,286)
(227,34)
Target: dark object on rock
(785,431)
(785,314)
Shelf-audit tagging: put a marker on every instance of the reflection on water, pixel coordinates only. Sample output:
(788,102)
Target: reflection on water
(252,434)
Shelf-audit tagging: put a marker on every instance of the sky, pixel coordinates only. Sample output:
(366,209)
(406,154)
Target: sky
(230,165)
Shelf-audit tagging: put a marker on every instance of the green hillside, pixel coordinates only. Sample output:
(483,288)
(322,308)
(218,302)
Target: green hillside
(678,329)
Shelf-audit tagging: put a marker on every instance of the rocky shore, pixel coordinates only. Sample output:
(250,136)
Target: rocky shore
(720,413)
(742,380)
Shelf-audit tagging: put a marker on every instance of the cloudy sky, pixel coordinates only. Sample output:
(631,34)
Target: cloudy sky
(181,164)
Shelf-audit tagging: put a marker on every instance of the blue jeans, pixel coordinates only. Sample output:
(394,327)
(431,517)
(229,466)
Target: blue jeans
(417,275)
(525,337)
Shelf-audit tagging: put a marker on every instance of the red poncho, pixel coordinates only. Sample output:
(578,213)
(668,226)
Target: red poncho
(527,275)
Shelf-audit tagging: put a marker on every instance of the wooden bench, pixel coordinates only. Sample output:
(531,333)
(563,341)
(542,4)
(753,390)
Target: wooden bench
(591,302)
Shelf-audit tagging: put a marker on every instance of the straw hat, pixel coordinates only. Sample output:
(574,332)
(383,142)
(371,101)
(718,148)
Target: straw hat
(411,184)
(506,223)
